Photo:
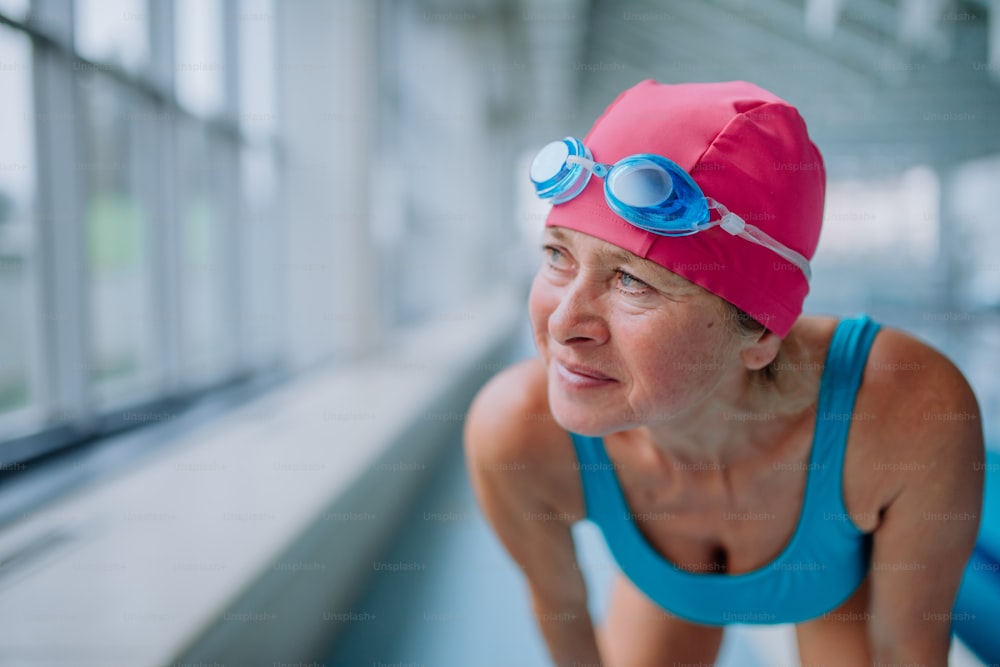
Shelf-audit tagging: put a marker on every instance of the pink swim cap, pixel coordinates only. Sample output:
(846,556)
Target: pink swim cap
(747,149)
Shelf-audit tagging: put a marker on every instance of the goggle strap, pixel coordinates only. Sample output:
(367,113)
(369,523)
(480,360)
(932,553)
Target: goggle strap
(736,226)
(761,237)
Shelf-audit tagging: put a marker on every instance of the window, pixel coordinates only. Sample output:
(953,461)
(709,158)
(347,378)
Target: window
(970,207)
(20,370)
(261,249)
(199,51)
(116,219)
(895,220)
(138,239)
(257,225)
(257,63)
(16,9)
(113,31)
(203,263)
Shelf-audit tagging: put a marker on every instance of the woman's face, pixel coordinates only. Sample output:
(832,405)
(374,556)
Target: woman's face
(625,341)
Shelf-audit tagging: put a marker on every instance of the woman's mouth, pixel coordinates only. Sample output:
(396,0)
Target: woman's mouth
(581,377)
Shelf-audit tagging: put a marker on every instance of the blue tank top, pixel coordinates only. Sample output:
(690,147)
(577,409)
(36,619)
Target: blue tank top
(823,563)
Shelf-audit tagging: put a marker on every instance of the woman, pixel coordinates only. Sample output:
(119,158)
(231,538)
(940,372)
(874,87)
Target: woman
(746,464)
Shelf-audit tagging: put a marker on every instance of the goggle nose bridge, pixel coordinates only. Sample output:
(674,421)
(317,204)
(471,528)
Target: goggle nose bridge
(599,169)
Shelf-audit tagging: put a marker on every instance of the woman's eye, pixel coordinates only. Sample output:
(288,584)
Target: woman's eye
(630,283)
(554,256)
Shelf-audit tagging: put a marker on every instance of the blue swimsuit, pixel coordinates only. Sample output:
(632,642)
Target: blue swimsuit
(827,557)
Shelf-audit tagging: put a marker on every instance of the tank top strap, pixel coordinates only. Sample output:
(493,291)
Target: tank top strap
(597,475)
(847,356)
(842,375)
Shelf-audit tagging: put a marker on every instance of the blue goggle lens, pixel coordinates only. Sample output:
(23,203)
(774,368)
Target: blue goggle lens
(655,194)
(642,185)
(554,177)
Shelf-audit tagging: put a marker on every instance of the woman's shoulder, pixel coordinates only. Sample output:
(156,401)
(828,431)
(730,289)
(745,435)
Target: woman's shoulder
(509,428)
(510,415)
(903,375)
(913,380)
(917,411)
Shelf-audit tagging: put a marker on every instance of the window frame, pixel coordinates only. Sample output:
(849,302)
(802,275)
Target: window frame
(65,412)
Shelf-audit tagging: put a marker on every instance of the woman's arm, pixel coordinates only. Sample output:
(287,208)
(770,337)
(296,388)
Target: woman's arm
(513,456)
(929,528)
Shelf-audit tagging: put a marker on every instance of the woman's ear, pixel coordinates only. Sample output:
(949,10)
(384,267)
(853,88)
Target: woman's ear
(760,353)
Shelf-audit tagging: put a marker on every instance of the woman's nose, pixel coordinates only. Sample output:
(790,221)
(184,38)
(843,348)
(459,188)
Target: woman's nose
(579,317)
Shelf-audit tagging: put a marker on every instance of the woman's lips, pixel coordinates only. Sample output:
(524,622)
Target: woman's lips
(581,376)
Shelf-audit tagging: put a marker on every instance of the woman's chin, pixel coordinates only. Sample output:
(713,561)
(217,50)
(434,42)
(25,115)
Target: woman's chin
(578,420)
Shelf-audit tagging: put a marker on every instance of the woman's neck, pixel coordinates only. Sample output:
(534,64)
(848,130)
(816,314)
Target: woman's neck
(749,415)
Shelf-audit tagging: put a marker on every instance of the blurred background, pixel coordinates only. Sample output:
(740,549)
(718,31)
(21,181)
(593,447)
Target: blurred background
(257,255)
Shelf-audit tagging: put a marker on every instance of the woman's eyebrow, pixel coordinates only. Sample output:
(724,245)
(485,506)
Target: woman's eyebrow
(555,233)
(616,256)
(605,254)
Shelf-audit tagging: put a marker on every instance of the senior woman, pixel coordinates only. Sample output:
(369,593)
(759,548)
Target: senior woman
(745,463)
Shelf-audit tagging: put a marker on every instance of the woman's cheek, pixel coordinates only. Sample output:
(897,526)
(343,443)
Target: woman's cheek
(540,306)
(672,357)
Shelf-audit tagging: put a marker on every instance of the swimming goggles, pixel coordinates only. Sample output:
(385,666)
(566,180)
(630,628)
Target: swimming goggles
(648,191)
